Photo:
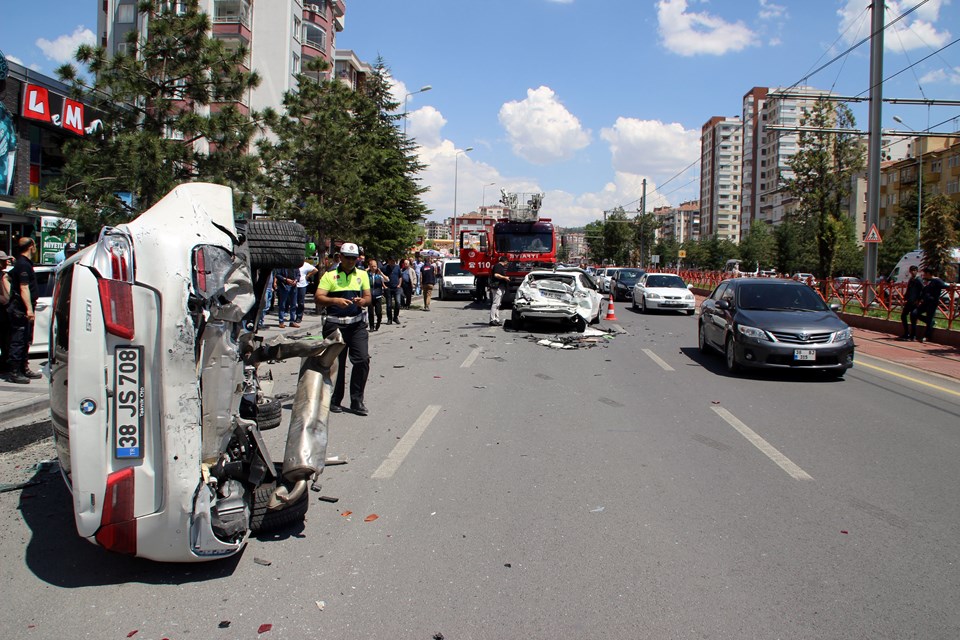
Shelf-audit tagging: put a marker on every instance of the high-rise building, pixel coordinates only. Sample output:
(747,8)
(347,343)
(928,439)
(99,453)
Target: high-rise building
(680,223)
(721,150)
(281,36)
(753,102)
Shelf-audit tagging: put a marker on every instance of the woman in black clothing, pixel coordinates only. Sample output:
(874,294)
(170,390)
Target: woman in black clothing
(377,286)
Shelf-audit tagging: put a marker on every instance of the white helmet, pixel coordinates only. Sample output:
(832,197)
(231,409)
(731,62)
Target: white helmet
(349,250)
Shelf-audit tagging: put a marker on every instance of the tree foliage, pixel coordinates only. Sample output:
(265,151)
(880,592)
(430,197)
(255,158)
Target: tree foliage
(899,240)
(168,117)
(758,249)
(645,230)
(938,235)
(823,168)
(339,165)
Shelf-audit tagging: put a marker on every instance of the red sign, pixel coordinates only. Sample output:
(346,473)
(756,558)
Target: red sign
(72,116)
(53,108)
(36,103)
(873,235)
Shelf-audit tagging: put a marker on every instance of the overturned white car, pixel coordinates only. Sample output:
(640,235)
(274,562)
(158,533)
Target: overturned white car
(568,295)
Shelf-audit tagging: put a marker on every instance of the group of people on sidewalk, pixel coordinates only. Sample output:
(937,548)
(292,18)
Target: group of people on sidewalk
(920,303)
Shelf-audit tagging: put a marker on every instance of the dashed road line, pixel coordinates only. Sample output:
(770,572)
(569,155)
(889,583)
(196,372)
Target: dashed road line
(470,358)
(660,361)
(393,461)
(768,449)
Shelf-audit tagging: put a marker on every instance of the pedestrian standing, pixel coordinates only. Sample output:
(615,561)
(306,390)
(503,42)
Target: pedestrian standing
(305,271)
(428,278)
(393,293)
(285,288)
(22,312)
(267,299)
(346,293)
(5,264)
(408,281)
(911,299)
(378,286)
(499,280)
(929,301)
(418,267)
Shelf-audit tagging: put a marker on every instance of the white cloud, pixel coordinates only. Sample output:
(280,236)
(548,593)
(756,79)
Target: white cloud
(541,129)
(63,48)
(17,60)
(651,147)
(689,34)
(917,31)
(941,75)
(424,126)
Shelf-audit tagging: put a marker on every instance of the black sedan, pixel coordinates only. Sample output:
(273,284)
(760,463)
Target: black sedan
(621,285)
(764,323)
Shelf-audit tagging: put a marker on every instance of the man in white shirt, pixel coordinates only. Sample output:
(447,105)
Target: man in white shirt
(306,270)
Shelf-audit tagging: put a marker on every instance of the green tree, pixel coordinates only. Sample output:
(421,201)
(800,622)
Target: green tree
(822,168)
(645,230)
(789,244)
(899,240)
(155,131)
(593,234)
(938,233)
(668,249)
(758,248)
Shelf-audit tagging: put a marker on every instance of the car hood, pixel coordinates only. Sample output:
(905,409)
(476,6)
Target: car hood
(809,321)
(668,291)
(458,280)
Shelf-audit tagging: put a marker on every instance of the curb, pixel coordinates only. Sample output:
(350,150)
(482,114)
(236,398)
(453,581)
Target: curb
(25,407)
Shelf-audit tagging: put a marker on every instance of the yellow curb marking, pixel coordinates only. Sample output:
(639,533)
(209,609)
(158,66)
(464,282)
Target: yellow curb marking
(911,379)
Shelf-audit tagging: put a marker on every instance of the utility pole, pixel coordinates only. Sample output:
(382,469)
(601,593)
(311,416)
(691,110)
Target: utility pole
(873,149)
(643,219)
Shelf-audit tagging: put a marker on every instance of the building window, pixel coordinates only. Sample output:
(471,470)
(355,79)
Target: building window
(124,48)
(297,27)
(315,36)
(126,13)
(232,11)
(294,63)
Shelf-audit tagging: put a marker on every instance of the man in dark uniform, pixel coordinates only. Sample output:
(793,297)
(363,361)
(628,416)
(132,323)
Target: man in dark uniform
(345,292)
(929,301)
(23,297)
(911,299)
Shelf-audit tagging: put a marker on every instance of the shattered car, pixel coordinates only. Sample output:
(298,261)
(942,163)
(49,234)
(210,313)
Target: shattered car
(153,355)
(570,296)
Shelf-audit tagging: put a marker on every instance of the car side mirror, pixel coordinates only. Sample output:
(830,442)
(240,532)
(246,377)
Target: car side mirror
(723,305)
(835,307)
(690,286)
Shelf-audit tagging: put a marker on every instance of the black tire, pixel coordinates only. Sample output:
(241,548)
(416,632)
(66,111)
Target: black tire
(580,324)
(596,318)
(730,357)
(275,244)
(440,292)
(263,519)
(690,312)
(269,412)
(702,343)
(633,302)
(643,305)
(516,321)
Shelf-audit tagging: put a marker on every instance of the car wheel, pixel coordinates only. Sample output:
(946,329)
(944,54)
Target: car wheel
(440,293)
(643,304)
(633,302)
(690,312)
(834,374)
(263,519)
(266,413)
(702,340)
(516,320)
(580,324)
(275,244)
(596,318)
(731,357)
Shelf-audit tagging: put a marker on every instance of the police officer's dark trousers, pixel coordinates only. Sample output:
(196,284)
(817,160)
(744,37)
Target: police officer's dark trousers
(356,337)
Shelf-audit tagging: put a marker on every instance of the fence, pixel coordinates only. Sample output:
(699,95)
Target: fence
(878,300)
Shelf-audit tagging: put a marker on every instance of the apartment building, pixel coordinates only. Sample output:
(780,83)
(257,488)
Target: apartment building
(940,157)
(753,103)
(576,244)
(680,223)
(721,151)
(436,230)
(281,36)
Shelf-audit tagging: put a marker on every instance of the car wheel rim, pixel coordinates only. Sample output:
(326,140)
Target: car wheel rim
(703,338)
(731,359)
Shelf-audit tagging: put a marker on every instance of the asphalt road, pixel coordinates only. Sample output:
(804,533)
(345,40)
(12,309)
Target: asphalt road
(628,490)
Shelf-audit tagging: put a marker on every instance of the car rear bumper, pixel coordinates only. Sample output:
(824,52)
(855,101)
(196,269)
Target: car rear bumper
(768,355)
(547,312)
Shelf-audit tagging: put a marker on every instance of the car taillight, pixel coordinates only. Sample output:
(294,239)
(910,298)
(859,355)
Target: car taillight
(118,528)
(116,300)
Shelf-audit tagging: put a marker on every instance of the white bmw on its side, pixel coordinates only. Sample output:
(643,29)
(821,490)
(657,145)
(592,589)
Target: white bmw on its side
(663,291)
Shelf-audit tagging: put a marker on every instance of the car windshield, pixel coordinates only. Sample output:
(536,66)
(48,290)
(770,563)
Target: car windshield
(666,281)
(567,280)
(779,296)
(629,276)
(524,242)
(455,269)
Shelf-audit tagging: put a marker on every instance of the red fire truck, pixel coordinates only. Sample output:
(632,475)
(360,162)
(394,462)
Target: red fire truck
(528,241)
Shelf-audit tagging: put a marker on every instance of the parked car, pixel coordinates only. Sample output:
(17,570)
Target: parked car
(41,325)
(607,278)
(766,323)
(621,285)
(455,281)
(847,286)
(153,354)
(568,296)
(663,291)
(806,278)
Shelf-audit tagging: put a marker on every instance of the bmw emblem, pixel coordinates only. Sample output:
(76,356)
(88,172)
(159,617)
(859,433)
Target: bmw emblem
(87,406)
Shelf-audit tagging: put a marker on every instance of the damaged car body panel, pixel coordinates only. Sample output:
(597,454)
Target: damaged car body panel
(146,376)
(566,296)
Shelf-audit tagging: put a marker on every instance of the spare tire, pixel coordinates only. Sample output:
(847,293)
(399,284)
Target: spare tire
(263,519)
(275,244)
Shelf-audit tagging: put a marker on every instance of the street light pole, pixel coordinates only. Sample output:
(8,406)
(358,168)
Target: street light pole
(425,87)
(919,178)
(483,198)
(456,170)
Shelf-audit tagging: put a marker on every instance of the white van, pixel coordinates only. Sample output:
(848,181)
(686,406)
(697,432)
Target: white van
(455,281)
(901,272)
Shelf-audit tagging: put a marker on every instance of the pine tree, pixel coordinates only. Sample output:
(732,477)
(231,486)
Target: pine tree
(938,233)
(168,114)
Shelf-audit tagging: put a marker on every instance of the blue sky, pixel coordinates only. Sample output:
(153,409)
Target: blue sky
(584,99)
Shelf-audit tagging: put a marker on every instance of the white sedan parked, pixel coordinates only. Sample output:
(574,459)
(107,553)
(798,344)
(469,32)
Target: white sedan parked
(663,291)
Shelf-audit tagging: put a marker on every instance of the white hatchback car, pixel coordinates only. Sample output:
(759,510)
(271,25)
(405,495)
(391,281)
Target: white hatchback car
(568,295)
(663,291)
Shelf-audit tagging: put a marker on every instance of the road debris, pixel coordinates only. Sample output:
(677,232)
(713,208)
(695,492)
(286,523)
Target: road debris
(328,499)
(321,605)
(224,624)
(262,562)
(371,517)
(264,628)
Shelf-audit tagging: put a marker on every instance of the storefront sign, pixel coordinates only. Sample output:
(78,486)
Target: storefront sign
(55,232)
(46,106)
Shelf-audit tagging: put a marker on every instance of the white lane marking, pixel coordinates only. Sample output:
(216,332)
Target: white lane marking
(470,358)
(658,360)
(768,449)
(403,448)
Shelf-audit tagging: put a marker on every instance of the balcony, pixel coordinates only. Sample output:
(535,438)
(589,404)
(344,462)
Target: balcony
(232,19)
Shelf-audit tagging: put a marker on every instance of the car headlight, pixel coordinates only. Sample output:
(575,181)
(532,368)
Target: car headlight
(653,296)
(843,335)
(752,332)
(688,297)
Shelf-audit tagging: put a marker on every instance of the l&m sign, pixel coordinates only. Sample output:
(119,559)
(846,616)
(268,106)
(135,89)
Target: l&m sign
(53,108)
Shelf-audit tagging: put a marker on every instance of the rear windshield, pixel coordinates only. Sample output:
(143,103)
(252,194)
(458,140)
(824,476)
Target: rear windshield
(780,296)
(629,276)
(666,281)
(455,269)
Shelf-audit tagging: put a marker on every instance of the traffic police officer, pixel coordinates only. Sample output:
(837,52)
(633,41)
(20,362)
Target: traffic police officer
(345,292)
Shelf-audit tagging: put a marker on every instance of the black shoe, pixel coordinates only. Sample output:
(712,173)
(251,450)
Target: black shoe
(17,378)
(359,409)
(904,338)
(33,375)
(335,408)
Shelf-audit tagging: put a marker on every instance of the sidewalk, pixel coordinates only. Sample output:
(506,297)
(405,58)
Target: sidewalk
(19,401)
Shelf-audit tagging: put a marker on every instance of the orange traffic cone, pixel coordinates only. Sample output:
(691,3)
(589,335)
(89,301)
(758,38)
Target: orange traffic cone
(610,313)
